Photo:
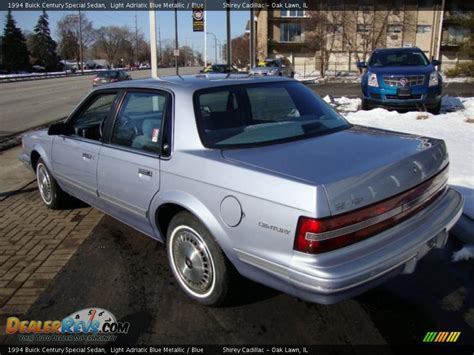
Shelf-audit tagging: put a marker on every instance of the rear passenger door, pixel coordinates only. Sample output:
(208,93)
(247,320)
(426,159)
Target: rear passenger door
(128,169)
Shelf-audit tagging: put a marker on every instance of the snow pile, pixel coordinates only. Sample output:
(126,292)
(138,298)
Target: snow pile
(466,253)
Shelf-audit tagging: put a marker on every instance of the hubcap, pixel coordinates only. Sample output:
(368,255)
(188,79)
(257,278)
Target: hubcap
(192,260)
(44,184)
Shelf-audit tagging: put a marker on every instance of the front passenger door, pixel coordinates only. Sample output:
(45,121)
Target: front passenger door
(129,165)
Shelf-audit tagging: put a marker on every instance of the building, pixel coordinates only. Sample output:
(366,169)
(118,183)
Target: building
(333,35)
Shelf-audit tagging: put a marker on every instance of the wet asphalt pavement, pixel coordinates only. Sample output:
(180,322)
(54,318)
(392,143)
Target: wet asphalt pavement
(127,273)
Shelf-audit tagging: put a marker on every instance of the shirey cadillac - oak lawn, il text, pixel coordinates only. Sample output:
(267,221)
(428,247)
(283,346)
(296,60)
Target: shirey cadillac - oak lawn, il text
(252,176)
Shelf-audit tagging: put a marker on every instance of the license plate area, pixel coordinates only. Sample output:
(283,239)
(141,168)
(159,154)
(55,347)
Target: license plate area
(403,92)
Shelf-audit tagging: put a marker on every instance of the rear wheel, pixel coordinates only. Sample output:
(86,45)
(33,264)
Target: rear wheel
(51,194)
(435,110)
(197,262)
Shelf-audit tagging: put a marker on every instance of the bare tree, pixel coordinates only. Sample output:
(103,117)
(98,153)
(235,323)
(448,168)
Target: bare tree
(323,30)
(70,30)
(113,41)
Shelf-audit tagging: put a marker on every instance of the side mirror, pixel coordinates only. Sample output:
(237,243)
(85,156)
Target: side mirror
(435,62)
(59,128)
(361,65)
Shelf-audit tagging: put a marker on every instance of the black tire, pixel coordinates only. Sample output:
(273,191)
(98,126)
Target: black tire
(364,105)
(435,110)
(208,265)
(51,194)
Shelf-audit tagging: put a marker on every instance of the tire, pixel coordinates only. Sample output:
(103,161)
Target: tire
(197,262)
(364,105)
(435,110)
(51,194)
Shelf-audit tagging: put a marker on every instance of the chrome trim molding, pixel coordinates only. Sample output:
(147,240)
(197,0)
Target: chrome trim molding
(437,186)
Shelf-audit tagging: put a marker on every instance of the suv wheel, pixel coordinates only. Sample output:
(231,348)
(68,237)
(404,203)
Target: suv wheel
(51,194)
(364,105)
(435,110)
(197,262)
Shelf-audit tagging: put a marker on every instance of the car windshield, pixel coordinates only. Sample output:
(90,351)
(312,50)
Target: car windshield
(402,58)
(264,113)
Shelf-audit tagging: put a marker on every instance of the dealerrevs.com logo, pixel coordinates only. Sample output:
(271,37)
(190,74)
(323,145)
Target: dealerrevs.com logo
(88,321)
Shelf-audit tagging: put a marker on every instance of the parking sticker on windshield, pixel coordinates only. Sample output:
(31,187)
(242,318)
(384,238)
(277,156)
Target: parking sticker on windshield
(154,135)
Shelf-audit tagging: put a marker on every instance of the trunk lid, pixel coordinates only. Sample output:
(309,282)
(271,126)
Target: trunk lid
(356,167)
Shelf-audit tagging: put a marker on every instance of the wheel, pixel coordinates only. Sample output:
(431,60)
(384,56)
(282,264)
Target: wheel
(51,194)
(435,110)
(364,105)
(197,262)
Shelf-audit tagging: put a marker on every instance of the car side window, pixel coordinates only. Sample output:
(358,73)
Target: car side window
(88,123)
(138,123)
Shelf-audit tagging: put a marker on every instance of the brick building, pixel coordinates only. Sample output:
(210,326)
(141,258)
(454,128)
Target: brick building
(341,32)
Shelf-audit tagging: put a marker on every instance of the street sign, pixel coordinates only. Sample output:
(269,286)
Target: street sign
(176,52)
(198,19)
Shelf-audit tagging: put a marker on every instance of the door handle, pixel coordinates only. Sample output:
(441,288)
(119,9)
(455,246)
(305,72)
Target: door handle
(86,156)
(145,172)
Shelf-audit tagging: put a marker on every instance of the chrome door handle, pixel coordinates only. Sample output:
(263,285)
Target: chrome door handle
(86,156)
(145,172)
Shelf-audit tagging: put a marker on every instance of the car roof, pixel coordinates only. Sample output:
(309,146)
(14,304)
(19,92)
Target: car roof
(194,82)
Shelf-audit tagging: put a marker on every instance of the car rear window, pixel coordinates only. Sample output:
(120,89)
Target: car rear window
(264,113)
(109,74)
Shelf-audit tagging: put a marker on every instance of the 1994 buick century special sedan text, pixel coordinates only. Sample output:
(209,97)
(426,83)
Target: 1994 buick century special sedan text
(256,176)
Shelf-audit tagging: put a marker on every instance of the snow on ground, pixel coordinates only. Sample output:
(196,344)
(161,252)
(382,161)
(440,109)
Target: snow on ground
(451,125)
(466,253)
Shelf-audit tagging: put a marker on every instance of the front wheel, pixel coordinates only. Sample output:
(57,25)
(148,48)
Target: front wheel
(364,105)
(197,262)
(51,194)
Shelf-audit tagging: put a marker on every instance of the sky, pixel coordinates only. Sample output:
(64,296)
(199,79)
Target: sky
(216,23)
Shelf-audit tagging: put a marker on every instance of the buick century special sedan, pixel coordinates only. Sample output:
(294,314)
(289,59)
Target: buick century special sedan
(254,176)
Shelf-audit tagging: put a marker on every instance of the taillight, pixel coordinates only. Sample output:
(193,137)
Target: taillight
(320,235)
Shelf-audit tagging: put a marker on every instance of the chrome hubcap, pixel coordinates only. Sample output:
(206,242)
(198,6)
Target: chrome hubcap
(44,184)
(192,260)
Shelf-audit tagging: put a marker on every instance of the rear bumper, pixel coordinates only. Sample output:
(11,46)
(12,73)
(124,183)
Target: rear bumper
(344,273)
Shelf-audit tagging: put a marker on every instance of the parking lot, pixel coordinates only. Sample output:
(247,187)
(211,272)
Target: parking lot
(55,262)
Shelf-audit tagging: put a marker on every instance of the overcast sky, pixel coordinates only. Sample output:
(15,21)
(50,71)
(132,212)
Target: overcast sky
(165,23)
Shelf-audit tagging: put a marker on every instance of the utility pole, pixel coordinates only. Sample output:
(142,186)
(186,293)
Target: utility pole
(136,39)
(229,41)
(176,38)
(159,44)
(154,62)
(205,33)
(215,45)
(81,53)
(252,39)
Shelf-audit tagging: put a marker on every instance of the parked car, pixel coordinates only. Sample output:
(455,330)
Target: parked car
(110,76)
(401,78)
(275,67)
(251,175)
(219,69)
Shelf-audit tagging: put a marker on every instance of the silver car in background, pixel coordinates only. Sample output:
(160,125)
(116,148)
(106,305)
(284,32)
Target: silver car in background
(251,176)
(273,67)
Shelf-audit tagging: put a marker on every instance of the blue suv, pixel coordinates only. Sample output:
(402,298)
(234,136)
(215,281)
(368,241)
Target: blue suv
(401,78)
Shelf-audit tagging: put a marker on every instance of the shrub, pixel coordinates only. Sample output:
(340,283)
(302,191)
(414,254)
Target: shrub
(461,69)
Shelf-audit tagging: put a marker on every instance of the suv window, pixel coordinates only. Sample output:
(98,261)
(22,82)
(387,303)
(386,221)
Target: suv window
(401,58)
(88,122)
(138,123)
